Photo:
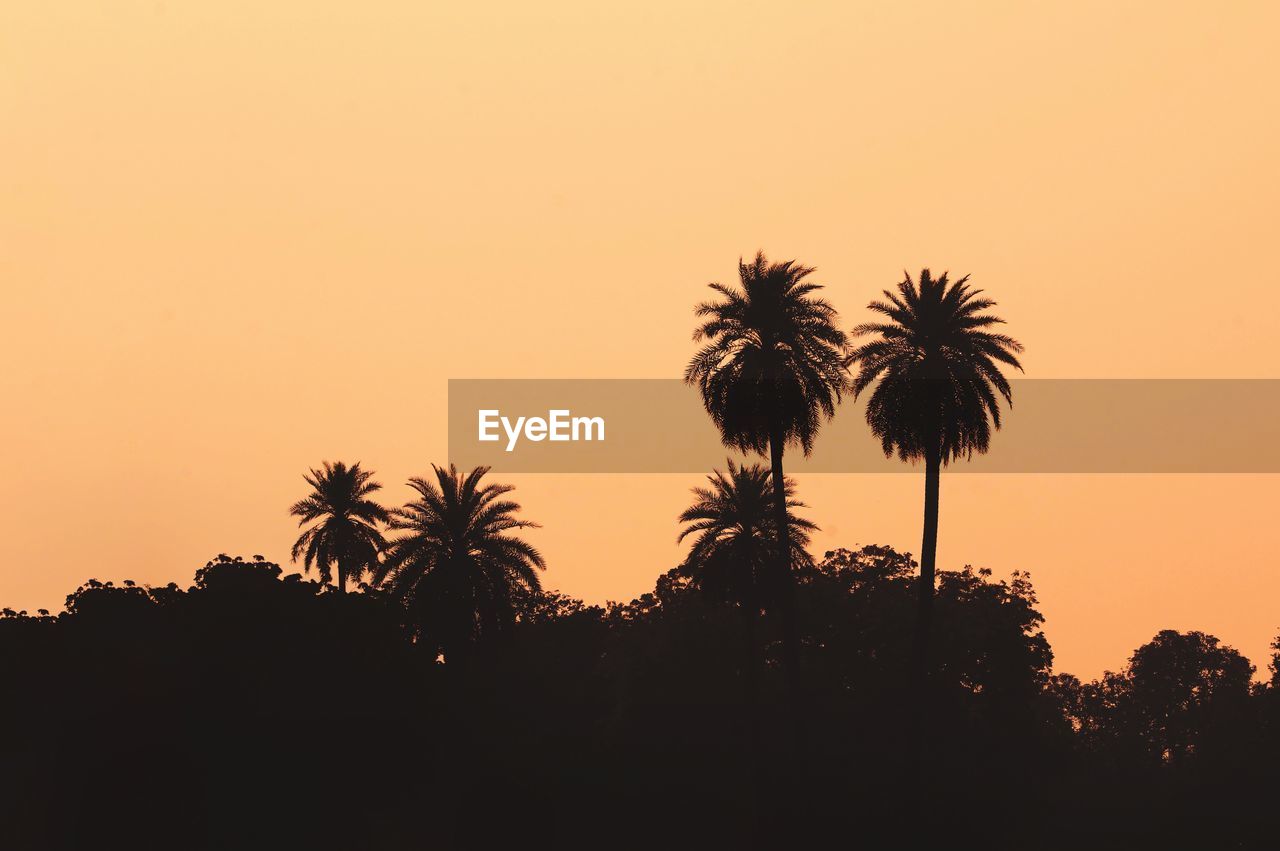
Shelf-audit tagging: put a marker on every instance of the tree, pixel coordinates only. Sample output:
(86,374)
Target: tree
(770,372)
(456,564)
(347,533)
(735,545)
(936,370)
(1183,688)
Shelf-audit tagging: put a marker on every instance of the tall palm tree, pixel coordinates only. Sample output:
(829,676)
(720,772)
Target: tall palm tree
(347,534)
(457,565)
(936,367)
(771,370)
(734,548)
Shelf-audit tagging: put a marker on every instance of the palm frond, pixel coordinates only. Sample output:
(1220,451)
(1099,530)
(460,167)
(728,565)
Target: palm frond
(934,367)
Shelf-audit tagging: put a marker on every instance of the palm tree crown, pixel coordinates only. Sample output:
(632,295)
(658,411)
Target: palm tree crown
(773,363)
(347,535)
(456,563)
(938,369)
(736,539)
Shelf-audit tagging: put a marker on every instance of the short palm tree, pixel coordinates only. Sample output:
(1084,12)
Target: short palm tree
(347,534)
(456,563)
(735,542)
(936,369)
(735,533)
(771,370)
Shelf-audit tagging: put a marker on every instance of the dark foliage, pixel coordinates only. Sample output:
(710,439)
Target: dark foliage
(255,710)
(771,371)
(735,537)
(457,564)
(935,367)
(935,364)
(345,520)
(771,368)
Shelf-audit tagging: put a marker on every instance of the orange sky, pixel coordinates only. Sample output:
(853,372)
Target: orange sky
(237,238)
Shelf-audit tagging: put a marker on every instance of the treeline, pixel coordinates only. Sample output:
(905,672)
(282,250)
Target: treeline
(258,710)
(759,697)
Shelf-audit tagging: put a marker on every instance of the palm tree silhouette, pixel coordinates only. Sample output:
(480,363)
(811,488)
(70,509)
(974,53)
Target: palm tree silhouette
(772,369)
(734,550)
(938,376)
(347,535)
(456,563)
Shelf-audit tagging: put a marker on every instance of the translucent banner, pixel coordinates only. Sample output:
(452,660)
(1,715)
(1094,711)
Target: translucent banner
(1054,426)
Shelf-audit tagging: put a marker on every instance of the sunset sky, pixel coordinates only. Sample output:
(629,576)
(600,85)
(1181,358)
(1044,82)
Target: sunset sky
(239,238)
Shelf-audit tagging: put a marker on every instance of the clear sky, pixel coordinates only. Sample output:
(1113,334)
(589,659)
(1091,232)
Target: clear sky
(238,238)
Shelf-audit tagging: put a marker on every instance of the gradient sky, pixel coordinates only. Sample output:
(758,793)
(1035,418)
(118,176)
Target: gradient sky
(238,238)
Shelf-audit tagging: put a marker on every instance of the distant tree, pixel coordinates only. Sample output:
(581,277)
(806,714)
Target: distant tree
(456,563)
(993,632)
(735,544)
(346,534)
(936,370)
(771,370)
(1179,691)
(992,646)
(1183,686)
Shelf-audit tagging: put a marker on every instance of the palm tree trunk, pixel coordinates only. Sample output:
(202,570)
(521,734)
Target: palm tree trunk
(342,577)
(786,582)
(921,643)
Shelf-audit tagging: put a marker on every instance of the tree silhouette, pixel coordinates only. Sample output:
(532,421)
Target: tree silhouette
(936,371)
(771,370)
(1178,692)
(347,535)
(130,717)
(456,565)
(735,548)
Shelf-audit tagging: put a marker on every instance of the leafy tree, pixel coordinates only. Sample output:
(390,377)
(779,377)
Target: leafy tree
(456,563)
(345,533)
(936,370)
(770,371)
(1179,688)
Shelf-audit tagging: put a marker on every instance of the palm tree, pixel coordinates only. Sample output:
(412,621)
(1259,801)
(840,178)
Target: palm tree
(771,370)
(733,553)
(347,535)
(456,563)
(937,365)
